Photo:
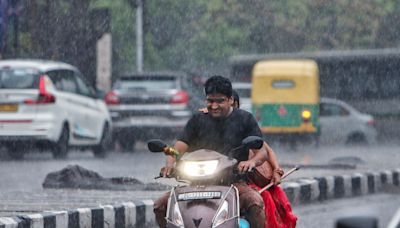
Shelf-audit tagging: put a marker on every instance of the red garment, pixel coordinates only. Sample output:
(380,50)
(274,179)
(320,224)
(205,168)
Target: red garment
(277,204)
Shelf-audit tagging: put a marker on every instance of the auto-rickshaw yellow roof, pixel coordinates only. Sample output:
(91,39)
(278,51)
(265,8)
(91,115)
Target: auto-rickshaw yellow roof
(293,68)
(300,77)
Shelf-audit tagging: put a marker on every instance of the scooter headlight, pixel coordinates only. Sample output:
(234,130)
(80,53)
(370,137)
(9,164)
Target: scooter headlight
(200,168)
(177,217)
(222,214)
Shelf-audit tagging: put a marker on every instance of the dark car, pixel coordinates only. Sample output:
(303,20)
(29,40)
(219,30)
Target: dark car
(148,105)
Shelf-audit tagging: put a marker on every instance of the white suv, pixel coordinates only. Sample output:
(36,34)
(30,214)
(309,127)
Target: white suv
(48,104)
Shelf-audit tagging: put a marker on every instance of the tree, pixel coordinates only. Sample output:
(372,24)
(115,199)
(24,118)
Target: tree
(202,34)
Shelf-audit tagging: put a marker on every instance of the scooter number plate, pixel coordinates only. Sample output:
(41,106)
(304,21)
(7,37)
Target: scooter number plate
(199,195)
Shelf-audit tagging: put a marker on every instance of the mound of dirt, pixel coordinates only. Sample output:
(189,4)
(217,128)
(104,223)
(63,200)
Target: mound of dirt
(77,177)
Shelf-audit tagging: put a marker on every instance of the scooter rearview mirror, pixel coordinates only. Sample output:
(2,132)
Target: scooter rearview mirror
(253,142)
(156,145)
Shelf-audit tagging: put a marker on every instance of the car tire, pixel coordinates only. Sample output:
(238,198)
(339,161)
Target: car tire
(101,150)
(16,152)
(60,148)
(127,145)
(356,139)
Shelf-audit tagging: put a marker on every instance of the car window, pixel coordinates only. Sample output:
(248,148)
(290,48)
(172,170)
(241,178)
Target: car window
(244,93)
(332,110)
(63,80)
(18,78)
(55,77)
(146,83)
(243,90)
(83,87)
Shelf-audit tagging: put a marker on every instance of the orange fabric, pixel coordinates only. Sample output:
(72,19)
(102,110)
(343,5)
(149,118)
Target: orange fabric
(278,211)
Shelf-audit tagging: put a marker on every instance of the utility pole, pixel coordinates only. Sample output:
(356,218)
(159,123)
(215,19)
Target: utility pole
(139,35)
(15,12)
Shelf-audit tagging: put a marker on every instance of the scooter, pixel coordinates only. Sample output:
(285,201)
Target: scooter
(209,199)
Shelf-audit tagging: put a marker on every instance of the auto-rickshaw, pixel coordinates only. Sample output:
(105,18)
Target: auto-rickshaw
(285,99)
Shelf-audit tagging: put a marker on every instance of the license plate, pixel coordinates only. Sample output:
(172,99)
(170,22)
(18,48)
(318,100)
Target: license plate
(8,107)
(199,195)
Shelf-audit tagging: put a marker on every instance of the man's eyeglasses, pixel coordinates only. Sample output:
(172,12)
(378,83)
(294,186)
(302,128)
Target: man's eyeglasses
(219,100)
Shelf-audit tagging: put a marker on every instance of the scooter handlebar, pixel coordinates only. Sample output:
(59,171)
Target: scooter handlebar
(171,175)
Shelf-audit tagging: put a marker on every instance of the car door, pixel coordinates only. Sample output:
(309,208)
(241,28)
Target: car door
(74,104)
(335,123)
(66,102)
(94,113)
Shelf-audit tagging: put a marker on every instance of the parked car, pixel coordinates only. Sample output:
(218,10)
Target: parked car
(148,105)
(244,91)
(49,105)
(341,123)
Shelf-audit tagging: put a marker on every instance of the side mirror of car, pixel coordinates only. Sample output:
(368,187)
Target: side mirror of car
(357,222)
(253,142)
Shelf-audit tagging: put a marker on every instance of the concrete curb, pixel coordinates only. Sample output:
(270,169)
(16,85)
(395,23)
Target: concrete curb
(334,187)
(140,213)
(128,214)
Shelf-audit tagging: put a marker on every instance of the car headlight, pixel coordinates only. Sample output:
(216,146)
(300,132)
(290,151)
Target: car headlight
(200,168)
(177,217)
(222,214)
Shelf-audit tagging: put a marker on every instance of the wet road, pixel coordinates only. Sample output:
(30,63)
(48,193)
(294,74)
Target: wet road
(381,206)
(21,181)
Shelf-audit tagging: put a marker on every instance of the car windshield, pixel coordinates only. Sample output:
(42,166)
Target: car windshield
(146,84)
(18,78)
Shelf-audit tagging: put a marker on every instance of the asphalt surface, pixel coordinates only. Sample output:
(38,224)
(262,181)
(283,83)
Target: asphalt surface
(21,181)
(381,206)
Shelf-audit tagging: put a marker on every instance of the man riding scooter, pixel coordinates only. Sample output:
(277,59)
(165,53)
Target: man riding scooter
(222,129)
(276,202)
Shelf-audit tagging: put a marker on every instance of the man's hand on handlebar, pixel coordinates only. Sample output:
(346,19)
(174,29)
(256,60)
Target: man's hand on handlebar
(166,171)
(246,166)
(169,166)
